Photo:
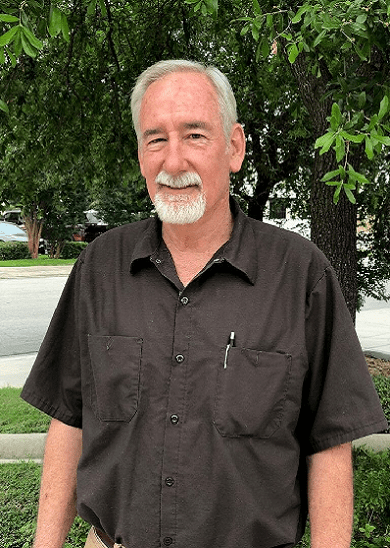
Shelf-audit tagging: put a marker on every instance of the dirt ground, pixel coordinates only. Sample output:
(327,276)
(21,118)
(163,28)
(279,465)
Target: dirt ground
(378,367)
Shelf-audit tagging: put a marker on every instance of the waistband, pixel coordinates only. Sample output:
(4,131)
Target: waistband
(106,540)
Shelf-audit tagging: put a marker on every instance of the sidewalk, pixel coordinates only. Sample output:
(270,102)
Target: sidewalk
(7,272)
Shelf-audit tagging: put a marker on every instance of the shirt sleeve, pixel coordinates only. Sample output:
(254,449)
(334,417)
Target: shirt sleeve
(54,383)
(340,400)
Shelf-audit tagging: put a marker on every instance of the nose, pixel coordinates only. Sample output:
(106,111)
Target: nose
(175,161)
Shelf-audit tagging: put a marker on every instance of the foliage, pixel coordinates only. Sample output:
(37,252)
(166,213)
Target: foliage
(71,250)
(345,42)
(13,250)
(372,493)
(19,417)
(382,385)
(19,491)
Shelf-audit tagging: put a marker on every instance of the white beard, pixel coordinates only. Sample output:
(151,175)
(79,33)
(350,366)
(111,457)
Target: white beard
(180,208)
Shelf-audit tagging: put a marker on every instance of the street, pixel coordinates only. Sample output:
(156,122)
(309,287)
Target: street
(26,307)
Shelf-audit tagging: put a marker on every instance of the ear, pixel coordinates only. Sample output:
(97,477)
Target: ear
(237,148)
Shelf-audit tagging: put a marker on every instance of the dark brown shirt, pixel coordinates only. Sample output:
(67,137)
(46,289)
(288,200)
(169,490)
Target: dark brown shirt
(186,441)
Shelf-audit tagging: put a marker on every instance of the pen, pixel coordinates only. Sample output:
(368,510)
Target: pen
(229,345)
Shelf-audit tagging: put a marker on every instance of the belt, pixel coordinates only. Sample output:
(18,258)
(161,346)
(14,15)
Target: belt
(106,539)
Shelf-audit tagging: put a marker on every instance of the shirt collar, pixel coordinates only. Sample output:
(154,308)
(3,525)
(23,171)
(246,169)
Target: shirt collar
(239,250)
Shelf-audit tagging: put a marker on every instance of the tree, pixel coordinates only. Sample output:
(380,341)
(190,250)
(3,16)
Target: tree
(303,74)
(337,52)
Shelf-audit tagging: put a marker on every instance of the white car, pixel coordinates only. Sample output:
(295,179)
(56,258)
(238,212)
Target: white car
(11,233)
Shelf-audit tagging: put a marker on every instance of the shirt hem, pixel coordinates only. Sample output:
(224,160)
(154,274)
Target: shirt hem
(49,409)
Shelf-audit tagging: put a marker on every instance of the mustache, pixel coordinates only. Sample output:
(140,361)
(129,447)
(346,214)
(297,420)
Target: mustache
(180,181)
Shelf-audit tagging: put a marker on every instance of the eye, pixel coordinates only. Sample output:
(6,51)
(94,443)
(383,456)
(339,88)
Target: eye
(156,141)
(195,136)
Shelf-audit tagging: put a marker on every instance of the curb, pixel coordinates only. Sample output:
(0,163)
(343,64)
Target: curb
(18,447)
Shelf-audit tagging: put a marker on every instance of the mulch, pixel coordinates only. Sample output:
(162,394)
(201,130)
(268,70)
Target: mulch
(378,366)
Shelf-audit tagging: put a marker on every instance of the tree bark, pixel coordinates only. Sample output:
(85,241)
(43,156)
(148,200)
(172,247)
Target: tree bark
(333,227)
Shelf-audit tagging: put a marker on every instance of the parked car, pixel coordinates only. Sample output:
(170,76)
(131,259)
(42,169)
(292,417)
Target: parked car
(90,229)
(11,233)
(14,216)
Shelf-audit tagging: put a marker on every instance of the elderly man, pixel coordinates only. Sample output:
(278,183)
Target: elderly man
(202,370)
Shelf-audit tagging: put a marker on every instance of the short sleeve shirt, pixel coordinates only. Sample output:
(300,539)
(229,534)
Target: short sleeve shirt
(200,404)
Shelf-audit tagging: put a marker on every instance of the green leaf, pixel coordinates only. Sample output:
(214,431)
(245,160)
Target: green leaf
(319,38)
(55,22)
(339,148)
(382,139)
(349,194)
(8,18)
(328,176)
(2,56)
(325,141)
(336,113)
(32,39)
(9,36)
(92,6)
(336,195)
(4,106)
(257,8)
(18,43)
(65,28)
(362,99)
(27,47)
(369,148)
(353,138)
(103,8)
(356,176)
(293,53)
(384,107)
(300,12)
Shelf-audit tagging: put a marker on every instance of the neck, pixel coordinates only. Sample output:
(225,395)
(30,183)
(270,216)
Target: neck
(193,245)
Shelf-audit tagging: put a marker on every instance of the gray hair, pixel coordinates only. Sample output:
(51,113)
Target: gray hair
(227,102)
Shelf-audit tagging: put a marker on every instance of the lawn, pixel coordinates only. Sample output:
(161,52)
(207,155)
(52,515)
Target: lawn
(19,488)
(43,260)
(17,416)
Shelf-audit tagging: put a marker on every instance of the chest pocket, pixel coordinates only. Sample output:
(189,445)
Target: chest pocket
(116,363)
(251,393)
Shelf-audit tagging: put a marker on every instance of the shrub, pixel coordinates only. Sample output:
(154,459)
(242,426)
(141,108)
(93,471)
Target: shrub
(10,251)
(72,250)
(372,493)
(382,385)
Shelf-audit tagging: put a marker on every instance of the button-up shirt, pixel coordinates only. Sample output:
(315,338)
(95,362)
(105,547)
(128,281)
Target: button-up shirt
(199,404)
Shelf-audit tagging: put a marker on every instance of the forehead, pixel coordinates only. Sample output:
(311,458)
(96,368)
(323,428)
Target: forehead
(182,94)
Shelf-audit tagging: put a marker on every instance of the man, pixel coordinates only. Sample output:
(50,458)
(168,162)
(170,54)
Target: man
(202,371)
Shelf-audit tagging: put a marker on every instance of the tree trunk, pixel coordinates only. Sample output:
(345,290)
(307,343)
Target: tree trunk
(333,227)
(34,231)
(333,230)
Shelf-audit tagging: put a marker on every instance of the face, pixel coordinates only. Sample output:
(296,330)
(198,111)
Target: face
(183,152)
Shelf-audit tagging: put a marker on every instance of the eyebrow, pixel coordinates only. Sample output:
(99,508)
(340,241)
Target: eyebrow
(187,125)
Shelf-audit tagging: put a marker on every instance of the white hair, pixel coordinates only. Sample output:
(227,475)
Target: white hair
(226,100)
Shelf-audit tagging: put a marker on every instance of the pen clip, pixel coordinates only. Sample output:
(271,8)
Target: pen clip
(229,345)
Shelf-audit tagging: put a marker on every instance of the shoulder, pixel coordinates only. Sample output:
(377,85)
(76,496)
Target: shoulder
(114,248)
(288,251)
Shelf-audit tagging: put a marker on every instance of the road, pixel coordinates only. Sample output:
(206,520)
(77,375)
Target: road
(26,307)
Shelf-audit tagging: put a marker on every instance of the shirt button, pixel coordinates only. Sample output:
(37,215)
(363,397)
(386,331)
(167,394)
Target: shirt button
(167,541)
(158,261)
(179,358)
(184,300)
(174,419)
(169,482)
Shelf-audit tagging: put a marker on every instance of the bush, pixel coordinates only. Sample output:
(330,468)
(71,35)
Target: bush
(382,385)
(372,497)
(72,250)
(10,251)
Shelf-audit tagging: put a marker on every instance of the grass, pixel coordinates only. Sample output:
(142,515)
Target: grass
(17,416)
(40,261)
(19,490)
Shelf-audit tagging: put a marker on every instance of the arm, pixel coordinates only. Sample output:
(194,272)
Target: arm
(330,494)
(57,501)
